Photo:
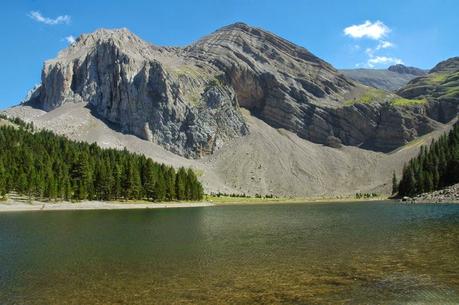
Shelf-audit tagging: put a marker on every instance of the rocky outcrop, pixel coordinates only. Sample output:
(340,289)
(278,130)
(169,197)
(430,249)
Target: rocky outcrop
(449,65)
(144,90)
(188,99)
(440,87)
(402,69)
(449,194)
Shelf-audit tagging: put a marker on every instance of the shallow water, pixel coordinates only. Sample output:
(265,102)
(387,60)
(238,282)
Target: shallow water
(356,253)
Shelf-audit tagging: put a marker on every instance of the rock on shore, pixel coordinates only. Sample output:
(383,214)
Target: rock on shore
(446,195)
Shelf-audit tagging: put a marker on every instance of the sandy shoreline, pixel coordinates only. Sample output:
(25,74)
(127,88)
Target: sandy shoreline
(23,206)
(12,205)
(17,206)
(257,201)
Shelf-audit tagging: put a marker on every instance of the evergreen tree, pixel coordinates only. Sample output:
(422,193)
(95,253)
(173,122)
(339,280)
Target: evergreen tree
(2,179)
(180,184)
(45,166)
(435,167)
(394,184)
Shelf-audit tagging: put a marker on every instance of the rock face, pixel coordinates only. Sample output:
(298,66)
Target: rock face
(440,87)
(188,99)
(148,91)
(402,69)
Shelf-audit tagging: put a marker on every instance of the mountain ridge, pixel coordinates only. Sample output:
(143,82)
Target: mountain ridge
(187,99)
(391,79)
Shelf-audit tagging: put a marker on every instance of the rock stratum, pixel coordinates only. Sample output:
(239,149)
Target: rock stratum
(440,87)
(189,100)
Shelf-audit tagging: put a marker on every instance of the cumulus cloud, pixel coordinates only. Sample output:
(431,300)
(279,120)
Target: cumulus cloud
(37,16)
(377,31)
(376,60)
(372,30)
(70,39)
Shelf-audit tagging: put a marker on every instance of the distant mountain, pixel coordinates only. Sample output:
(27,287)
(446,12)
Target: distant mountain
(390,79)
(402,69)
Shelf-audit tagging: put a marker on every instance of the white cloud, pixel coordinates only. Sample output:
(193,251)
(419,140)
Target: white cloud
(372,30)
(383,44)
(70,39)
(383,60)
(37,16)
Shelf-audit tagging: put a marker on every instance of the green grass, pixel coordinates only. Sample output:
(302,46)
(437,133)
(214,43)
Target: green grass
(437,78)
(370,96)
(188,71)
(404,102)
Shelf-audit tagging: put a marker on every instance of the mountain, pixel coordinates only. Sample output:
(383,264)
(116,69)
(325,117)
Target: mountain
(188,99)
(402,69)
(247,109)
(391,79)
(440,87)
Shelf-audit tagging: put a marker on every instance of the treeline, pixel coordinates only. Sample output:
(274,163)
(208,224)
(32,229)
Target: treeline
(44,166)
(434,168)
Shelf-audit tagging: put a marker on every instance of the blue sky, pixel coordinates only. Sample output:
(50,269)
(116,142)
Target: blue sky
(347,34)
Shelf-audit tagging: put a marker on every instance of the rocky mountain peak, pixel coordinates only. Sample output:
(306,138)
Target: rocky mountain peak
(449,65)
(402,69)
(121,39)
(252,40)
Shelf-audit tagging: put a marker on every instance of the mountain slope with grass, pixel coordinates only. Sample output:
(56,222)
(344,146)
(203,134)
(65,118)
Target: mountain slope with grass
(440,87)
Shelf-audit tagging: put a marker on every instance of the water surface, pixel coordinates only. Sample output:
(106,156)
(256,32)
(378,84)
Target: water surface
(337,253)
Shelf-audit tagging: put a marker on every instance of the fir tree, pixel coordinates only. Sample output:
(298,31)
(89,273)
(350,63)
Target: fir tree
(435,167)
(45,166)
(394,184)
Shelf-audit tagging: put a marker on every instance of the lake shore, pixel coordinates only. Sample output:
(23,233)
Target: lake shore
(21,206)
(225,200)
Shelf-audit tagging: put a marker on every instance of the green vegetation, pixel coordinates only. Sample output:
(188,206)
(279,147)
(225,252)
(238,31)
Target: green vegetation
(370,96)
(365,195)
(394,184)
(434,168)
(44,166)
(436,78)
(403,102)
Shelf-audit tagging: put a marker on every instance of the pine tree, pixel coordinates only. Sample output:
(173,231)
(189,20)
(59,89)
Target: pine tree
(394,184)
(150,178)
(434,167)
(180,184)
(2,180)
(160,187)
(82,177)
(45,166)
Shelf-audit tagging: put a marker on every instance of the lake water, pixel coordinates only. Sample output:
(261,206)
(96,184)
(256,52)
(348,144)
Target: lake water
(337,253)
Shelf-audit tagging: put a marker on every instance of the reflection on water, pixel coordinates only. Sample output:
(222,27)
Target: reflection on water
(359,253)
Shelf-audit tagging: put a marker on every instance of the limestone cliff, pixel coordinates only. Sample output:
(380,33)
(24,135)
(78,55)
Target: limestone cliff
(188,99)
